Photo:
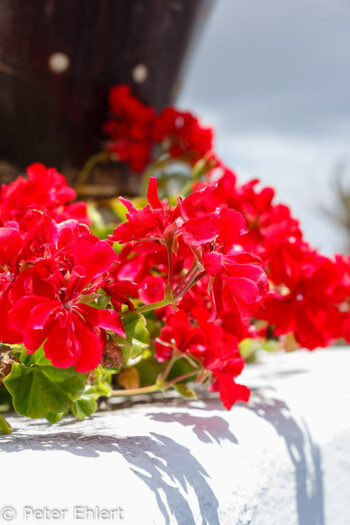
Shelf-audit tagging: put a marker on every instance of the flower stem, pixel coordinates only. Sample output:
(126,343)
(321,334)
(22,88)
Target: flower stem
(185,277)
(95,159)
(169,366)
(4,426)
(153,306)
(188,285)
(158,386)
(131,391)
(169,247)
(180,378)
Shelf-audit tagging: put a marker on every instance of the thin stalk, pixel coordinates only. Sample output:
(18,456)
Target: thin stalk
(148,307)
(158,386)
(169,247)
(132,391)
(153,306)
(188,285)
(4,426)
(185,277)
(180,378)
(95,159)
(191,361)
(169,366)
(187,188)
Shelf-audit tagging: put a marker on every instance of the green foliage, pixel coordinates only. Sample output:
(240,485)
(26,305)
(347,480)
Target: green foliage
(102,232)
(4,426)
(270,345)
(86,404)
(102,301)
(250,347)
(5,400)
(180,367)
(38,388)
(185,391)
(149,369)
(103,380)
(100,386)
(54,418)
(137,336)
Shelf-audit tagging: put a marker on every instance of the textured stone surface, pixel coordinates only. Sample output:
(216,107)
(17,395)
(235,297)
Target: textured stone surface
(284,459)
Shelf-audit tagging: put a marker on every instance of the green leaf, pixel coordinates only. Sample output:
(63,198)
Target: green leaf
(4,426)
(248,348)
(103,388)
(185,392)
(38,388)
(102,232)
(102,301)
(5,400)
(137,335)
(38,358)
(101,384)
(270,345)
(149,369)
(54,418)
(85,406)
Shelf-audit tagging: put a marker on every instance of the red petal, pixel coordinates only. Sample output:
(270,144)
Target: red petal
(152,289)
(152,194)
(107,319)
(92,350)
(230,392)
(62,347)
(33,339)
(200,230)
(232,225)
(19,314)
(128,205)
(10,244)
(41,313)
(94,255)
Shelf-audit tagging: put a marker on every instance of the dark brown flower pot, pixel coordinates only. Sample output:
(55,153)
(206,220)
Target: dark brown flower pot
(59,58)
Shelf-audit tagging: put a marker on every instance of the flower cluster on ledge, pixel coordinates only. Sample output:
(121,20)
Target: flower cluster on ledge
(185,289)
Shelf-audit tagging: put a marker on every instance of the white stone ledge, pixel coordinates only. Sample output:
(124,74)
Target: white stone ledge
(284,459)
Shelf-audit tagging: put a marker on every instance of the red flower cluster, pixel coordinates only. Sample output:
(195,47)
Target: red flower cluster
(182,133)
(221,265)
(223,234)
(130,128)
(136,130)
(45,189)
(50,270)
(210,344)
(48,275)
(308,294)
(231,282)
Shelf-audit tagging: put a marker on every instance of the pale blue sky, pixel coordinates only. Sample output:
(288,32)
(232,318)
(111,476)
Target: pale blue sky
(273,78)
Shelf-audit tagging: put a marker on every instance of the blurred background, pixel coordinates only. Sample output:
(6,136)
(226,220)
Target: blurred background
(273,78)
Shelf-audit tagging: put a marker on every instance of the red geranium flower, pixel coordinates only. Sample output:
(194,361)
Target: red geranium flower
(74,332)
(152,226)
(210,345)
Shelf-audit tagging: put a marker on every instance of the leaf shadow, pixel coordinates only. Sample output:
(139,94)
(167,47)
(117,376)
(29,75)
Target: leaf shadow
(304,454)
(160,462)
(207,429)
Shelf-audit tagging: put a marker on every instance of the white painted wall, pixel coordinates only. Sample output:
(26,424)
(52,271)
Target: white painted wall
(284,459)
